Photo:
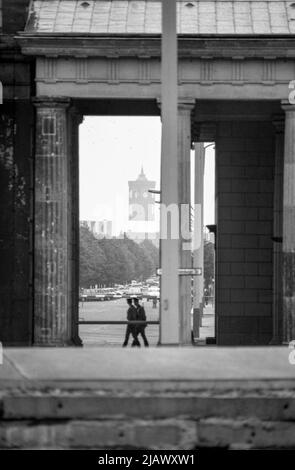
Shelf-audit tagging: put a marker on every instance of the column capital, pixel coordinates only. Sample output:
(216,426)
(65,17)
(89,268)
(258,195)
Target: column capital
(287,106)
(183,103)
(51,102)
(75,113)
(159,103)
(186,104)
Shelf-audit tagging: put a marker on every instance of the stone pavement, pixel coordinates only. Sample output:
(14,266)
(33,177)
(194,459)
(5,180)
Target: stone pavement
(159,398)
(112,335)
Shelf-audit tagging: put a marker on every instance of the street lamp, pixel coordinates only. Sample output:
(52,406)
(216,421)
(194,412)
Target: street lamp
(155,191)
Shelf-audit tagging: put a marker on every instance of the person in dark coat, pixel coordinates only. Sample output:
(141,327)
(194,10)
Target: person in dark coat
(131,328)
(141,316)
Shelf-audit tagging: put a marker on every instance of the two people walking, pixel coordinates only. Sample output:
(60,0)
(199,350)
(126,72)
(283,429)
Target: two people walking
(135,312)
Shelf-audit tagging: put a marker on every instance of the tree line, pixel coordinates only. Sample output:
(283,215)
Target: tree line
(109,261)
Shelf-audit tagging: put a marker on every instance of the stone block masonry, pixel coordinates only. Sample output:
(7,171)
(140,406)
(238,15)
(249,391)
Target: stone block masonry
(245,182)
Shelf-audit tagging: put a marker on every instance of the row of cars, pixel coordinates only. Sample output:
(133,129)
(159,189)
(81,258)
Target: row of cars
(139,290)
(94,295)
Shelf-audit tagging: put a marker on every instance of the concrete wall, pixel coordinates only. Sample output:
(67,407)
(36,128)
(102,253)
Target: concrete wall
(245,168)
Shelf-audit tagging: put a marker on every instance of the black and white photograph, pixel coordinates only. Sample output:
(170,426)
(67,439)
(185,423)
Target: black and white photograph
(147,230)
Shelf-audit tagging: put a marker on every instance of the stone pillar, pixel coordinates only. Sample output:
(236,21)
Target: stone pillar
(277,233)
(75,119)
(289,226)
(53,280)
(169,303)
(199,237)
(184,197)
(175,303)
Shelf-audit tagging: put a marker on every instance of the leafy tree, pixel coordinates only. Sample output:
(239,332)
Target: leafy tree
(92,260)
(109,261)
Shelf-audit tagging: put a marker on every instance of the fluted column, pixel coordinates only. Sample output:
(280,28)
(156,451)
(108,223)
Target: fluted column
(199,237)
(75,119)
(52,274)
(277,308)
(184,197)
(289,226)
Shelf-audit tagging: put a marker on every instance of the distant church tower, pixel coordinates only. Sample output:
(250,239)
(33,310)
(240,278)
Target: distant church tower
(141,202)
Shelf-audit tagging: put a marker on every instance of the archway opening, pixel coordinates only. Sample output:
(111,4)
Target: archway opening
(119,225)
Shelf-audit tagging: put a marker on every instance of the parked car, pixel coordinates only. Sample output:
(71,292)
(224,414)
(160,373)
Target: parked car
(153,293)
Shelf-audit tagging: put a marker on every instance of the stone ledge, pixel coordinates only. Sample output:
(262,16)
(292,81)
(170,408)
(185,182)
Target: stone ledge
(157,365)
(56,406)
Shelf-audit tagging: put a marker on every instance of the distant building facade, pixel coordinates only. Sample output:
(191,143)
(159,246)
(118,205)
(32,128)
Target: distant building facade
(99,228)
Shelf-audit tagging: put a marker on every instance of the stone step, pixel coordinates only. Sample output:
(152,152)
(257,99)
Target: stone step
(108,405)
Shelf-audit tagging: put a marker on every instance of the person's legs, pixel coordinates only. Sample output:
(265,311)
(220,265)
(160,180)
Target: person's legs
(142,332)
(134,333)
(127,334)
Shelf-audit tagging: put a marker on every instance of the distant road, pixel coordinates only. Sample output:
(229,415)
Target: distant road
(112,335)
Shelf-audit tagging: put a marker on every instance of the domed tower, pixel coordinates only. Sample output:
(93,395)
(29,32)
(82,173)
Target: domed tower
(141,202)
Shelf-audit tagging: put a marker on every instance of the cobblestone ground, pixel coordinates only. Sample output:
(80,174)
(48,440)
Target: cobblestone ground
(113,335)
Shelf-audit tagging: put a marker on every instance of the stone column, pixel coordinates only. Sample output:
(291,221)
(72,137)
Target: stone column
(169,303)
(199,237)
(52,286)
(75,119)
(184,197)
(277,233)
(289,226)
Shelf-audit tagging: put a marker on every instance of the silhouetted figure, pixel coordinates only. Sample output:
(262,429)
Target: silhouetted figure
(131,329)
(141,316)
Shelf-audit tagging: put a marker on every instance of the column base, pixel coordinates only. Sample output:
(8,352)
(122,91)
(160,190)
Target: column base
(275,341)
(77,342)
(175,345)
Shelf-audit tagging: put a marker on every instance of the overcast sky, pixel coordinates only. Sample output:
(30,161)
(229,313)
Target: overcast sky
(112,151)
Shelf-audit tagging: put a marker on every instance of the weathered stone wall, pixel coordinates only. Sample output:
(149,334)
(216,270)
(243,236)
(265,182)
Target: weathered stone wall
(16,181)
(245,168)
(108,420)
(15,224)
